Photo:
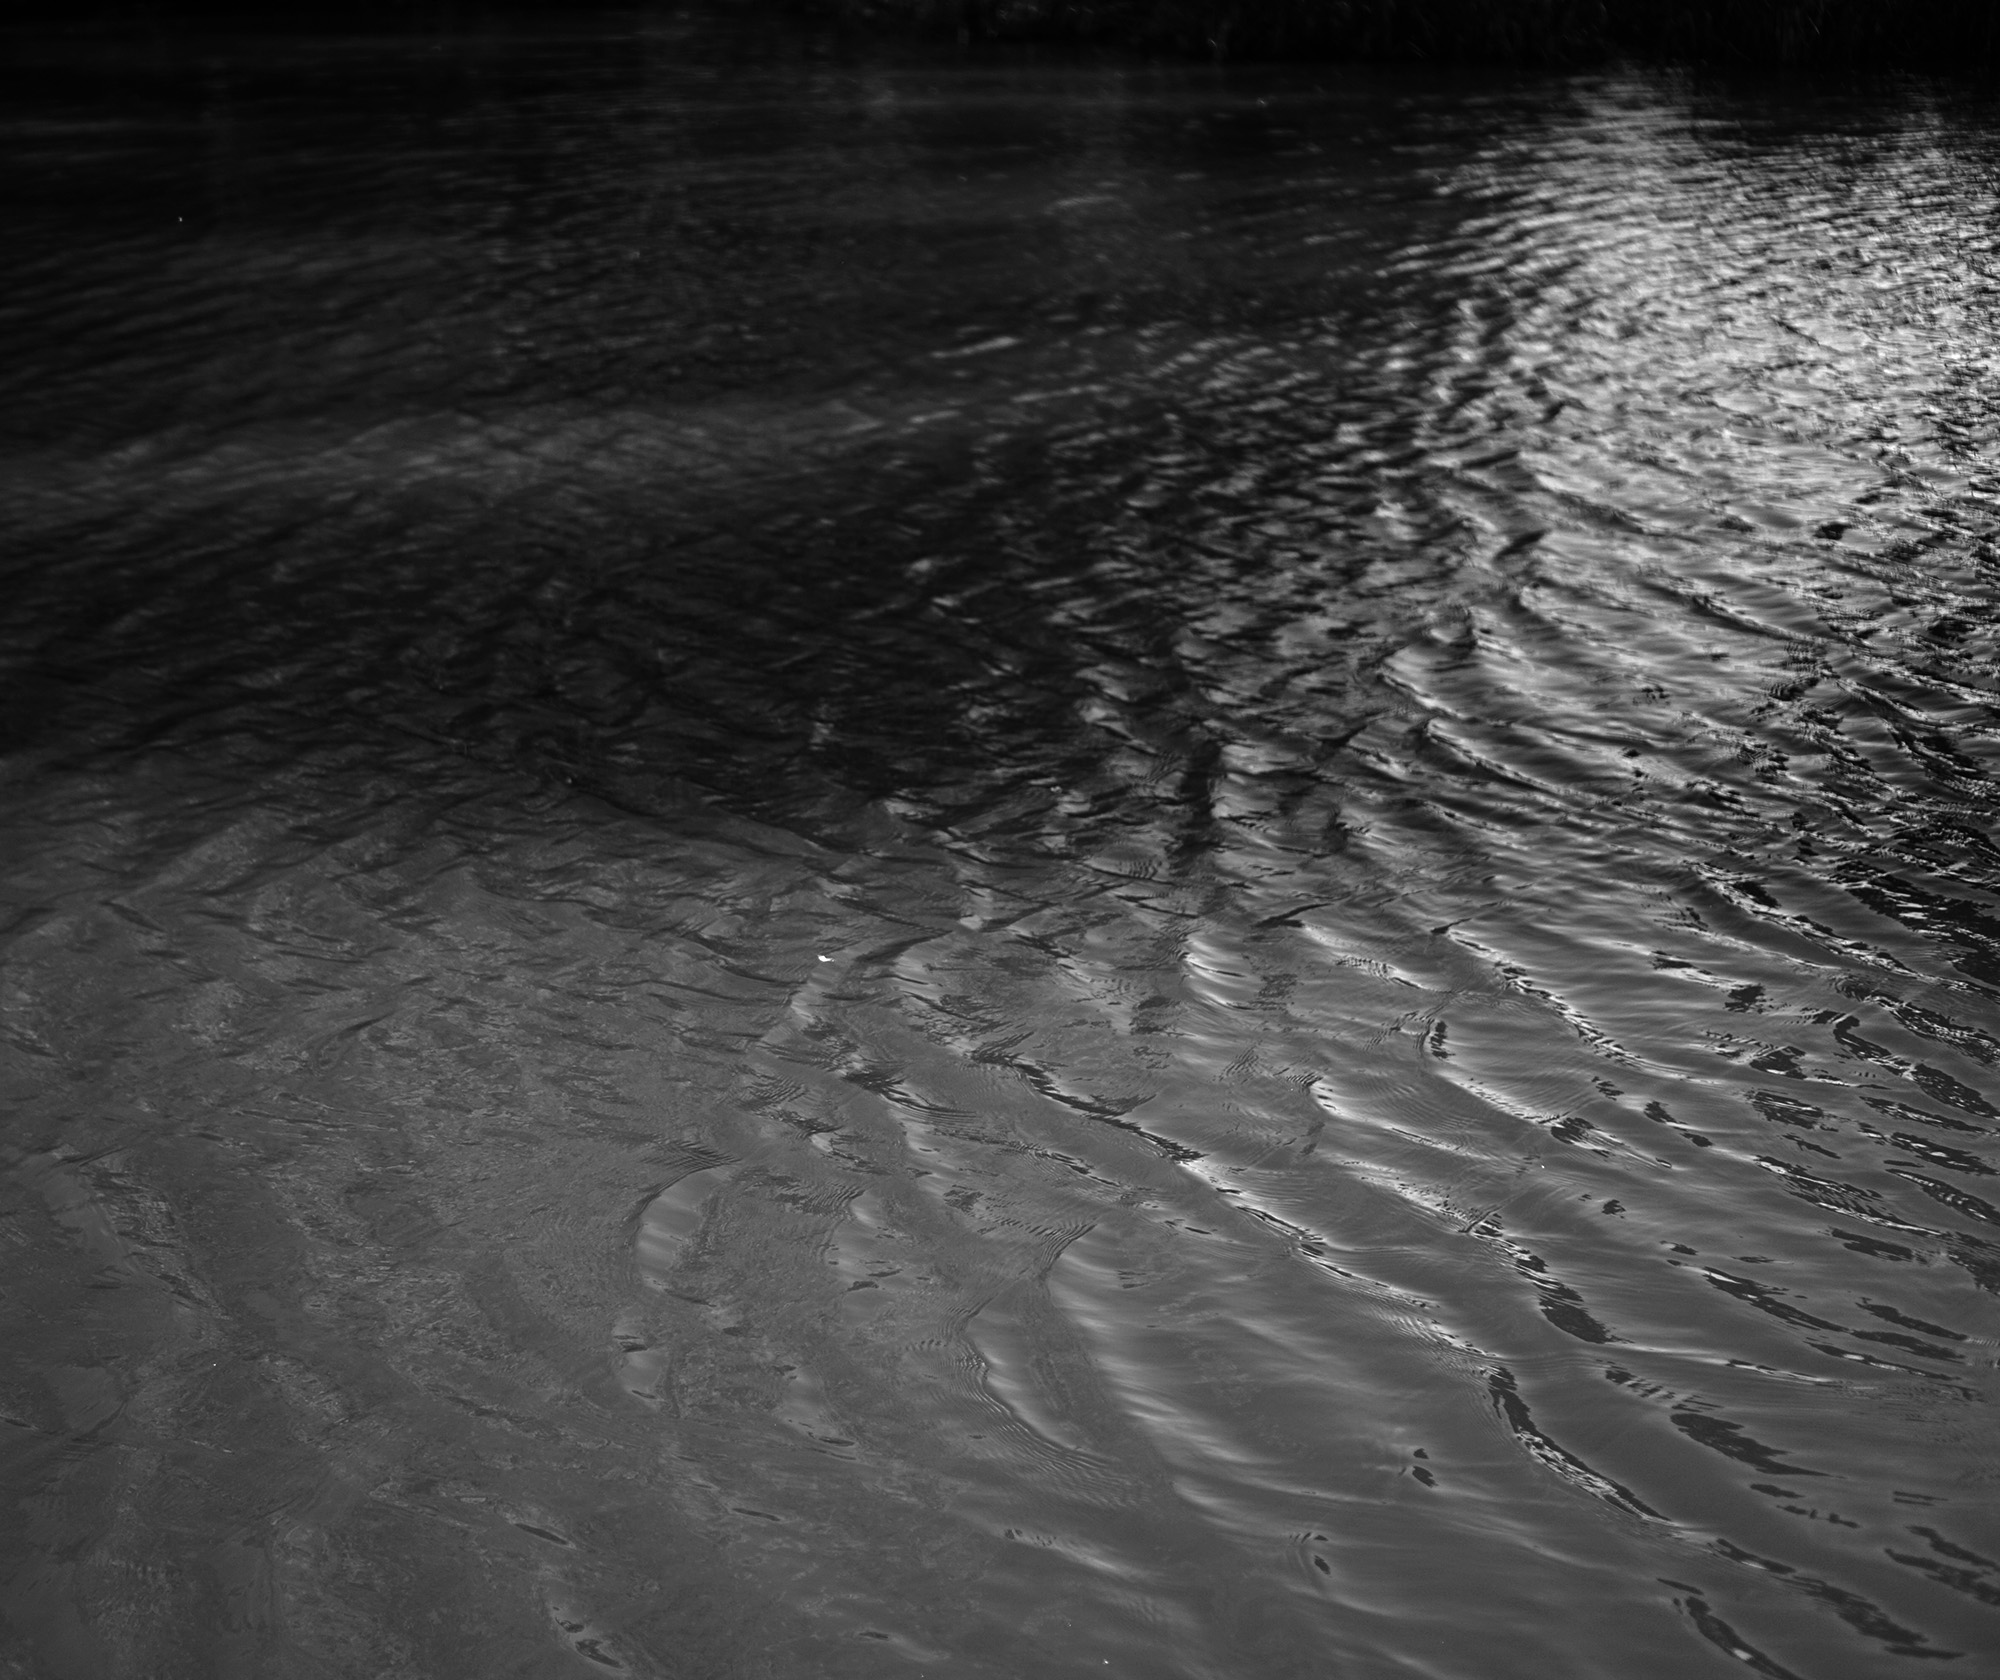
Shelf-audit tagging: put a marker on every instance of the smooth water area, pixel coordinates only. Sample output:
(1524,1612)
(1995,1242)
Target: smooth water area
(841,861)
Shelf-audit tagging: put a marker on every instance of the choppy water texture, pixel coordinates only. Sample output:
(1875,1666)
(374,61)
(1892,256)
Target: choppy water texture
(829,863)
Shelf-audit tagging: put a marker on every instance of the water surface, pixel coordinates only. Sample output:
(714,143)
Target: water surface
(832,862)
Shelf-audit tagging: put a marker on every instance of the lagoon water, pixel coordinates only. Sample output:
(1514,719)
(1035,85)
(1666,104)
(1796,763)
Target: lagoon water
(829,860)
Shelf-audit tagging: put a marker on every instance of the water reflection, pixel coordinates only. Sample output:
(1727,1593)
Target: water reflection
(833,864)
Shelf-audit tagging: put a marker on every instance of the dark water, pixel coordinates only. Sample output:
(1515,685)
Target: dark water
(827,863)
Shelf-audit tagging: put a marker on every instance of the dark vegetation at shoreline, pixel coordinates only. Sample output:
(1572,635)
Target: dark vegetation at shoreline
(1960,36)
(1856,34)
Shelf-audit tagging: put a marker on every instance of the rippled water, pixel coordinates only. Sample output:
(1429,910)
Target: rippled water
(830,863)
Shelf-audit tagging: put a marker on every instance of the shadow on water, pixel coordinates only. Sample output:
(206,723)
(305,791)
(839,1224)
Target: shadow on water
(830,864)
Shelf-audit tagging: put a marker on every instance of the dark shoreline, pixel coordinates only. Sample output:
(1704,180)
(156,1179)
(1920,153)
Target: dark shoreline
(1953,36)
(1956,35)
